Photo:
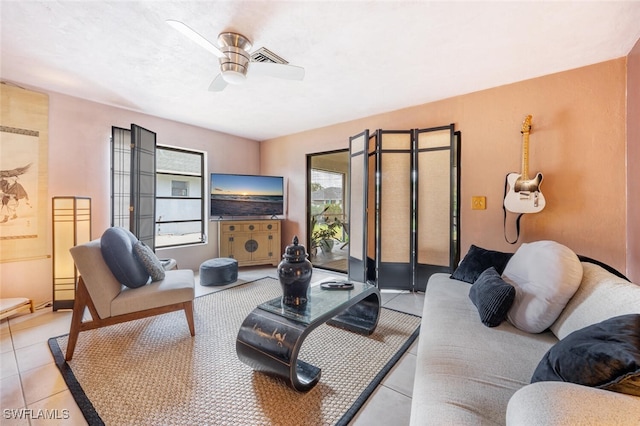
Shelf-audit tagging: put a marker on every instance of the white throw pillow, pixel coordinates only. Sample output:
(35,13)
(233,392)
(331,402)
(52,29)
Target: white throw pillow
(545,275)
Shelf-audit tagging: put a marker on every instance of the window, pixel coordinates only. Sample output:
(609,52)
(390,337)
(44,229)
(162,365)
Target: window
(180,201)
(157,192)
(179,188)
(327,187)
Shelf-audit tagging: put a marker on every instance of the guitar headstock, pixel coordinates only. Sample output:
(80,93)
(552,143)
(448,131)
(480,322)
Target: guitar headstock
(526,124)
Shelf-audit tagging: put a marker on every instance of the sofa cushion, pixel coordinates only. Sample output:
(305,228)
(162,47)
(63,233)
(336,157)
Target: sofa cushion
(465,371)
(603,265)
(117,244)
(492,296)
(601,295)
(605,355)
(562,403)
(149,260)
(176,287)
(477,260)
(545,274)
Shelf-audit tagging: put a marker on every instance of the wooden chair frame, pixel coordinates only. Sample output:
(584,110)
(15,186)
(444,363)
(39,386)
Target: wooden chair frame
(83,300)
(24,304)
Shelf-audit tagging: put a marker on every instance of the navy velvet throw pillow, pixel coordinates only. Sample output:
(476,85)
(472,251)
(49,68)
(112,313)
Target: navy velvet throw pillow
(604,355)
(477,260)
(116,245)
(492,296)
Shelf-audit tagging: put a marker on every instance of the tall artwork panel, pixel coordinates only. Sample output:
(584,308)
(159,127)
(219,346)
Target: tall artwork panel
(24,133)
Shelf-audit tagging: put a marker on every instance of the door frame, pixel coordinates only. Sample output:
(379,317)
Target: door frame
(308,209)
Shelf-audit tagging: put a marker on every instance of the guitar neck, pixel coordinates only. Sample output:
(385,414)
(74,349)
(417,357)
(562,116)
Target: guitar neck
(525,156)
(526,129)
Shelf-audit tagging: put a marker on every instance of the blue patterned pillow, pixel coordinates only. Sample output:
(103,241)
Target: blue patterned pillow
(605,355)
(492,296)
(116,245)
(149,260)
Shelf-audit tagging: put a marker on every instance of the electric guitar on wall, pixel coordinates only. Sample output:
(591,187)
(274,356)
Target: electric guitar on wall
(524,195)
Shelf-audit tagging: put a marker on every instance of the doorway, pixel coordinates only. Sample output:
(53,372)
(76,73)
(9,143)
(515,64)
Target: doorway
(327,209)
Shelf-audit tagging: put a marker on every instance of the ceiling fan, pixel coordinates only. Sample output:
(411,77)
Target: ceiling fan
(236,61)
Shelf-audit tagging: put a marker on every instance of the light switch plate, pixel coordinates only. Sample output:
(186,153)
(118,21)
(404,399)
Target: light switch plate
(478,202)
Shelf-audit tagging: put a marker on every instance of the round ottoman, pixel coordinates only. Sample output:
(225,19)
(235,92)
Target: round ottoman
(219,271)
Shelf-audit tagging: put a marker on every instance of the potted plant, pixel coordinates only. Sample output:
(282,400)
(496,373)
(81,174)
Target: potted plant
(323,233)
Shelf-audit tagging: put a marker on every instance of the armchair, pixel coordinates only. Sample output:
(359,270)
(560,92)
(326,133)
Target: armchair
(109,302)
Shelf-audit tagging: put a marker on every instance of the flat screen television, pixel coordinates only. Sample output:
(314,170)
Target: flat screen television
(246,195)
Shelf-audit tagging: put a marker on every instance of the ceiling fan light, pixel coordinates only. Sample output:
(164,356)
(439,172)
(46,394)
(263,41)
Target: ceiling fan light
(233,77)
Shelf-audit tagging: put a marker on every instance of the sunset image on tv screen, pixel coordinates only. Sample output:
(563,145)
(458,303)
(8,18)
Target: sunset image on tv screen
(246,195)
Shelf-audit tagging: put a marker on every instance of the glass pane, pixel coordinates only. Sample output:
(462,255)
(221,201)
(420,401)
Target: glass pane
(178,209)
(167,183)
(179,192)
(169,234)
(320,303)
(328,210)
(172,161)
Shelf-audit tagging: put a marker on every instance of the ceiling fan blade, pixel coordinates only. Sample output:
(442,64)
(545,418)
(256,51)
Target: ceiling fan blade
(286,71)
(218,84)
(194,36)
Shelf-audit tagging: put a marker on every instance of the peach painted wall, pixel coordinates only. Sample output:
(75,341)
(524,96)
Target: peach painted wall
(633,164)
(577,141)
(79,164)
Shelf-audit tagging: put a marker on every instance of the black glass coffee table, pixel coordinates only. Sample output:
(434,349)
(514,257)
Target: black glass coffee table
(270,337)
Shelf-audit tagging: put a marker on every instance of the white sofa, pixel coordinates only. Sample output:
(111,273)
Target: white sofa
(471,374)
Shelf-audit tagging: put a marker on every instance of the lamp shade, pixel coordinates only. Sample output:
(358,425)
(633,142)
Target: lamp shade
(71,226)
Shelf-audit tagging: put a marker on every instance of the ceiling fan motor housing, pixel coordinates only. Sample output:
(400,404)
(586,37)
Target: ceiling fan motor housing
(236,61)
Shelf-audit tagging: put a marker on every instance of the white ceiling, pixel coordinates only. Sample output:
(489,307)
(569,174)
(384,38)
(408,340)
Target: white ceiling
(361,57)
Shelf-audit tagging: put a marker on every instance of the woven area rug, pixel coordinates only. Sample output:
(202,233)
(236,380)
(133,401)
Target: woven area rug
(151,371)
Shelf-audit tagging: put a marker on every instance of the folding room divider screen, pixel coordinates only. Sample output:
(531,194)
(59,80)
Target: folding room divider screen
(357,206)
(404,205)
(133,181)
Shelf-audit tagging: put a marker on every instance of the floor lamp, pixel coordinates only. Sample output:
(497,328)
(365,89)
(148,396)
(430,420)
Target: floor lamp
(71,226)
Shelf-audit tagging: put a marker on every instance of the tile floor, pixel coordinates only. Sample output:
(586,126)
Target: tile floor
(29,379)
